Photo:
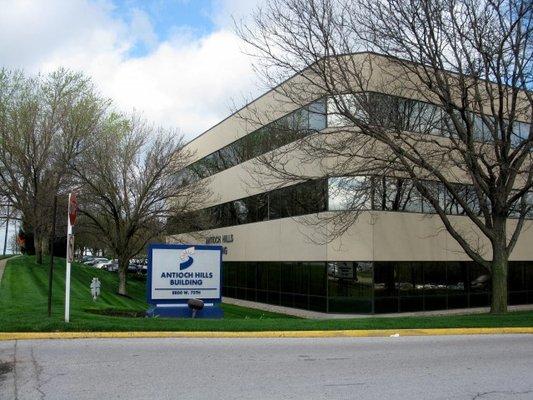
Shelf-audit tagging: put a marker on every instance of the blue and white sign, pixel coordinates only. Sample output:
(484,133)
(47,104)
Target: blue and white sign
(178,273)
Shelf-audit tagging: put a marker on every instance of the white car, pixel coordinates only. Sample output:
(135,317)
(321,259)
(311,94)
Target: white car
(100,263)
(95,260)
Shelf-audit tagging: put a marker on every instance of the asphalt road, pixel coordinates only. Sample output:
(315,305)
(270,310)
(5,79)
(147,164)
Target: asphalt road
(453,367)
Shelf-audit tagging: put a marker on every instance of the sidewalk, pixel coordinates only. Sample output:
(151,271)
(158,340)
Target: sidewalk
(3,265)
(296,312)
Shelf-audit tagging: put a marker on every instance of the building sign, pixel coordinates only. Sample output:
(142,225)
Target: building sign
(178,273)
(185,273)
(219,239)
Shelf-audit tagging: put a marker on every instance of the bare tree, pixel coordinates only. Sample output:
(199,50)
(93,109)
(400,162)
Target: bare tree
(89,237)
(128,187)
(469,65)
(45,122)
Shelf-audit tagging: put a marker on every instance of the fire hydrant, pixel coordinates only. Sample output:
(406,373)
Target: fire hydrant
(95,288)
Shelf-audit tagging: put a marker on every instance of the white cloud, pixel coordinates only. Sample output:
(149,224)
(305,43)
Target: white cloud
(225,11)
(185,85)
(142,29)
(185,82)
(32,31)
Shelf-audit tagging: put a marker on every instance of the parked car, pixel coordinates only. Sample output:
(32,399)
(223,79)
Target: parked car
(85,259)
(100,263)
(95,260)
(133,267)
(111,266)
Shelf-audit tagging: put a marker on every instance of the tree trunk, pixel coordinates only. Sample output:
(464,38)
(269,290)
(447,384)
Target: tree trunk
(45,245)
(499,268)
(122,270)
(37,242)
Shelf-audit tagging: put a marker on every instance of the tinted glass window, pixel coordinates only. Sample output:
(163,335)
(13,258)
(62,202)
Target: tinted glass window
(276,134)
(409,279)
(350,286)
(317,115)
(479,278)
(384,280)
(515,277)
(409,115)
(349,193)
(397,286)
(304,198)
(317,278)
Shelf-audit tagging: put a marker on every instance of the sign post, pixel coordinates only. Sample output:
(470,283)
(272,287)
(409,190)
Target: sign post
(178,273)
(51,270)
(71,220)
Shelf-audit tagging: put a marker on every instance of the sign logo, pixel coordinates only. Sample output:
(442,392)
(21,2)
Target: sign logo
(179,272)
(186,259)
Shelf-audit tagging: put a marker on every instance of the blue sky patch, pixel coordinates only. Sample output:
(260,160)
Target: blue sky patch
(167,18)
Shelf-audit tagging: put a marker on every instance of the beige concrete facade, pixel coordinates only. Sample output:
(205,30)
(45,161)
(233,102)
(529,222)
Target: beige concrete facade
(375,236)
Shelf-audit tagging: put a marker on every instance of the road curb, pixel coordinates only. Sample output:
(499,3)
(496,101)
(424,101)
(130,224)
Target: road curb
(265,334)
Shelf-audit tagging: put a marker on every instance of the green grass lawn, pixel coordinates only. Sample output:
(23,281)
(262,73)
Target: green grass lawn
(23,305)
(5,256)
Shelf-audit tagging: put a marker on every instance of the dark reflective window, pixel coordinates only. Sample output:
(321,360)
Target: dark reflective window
(528,280)
(297,200)
(287,284)
(301,279)
(304,198)
(468,194)
(480,285)
(517,283)
(363,287)
(262,282)
(251,281)
(396,194)
(435,279)
(276,134)
(292,284)
(457,284)
(385,290)
(410,285)
(397,285)
(384,280)
(335,194)
(403,114)
(350,193)
(435,286)
(426,118)
(402,194)
(317,278)
(515,276)
(317,116)
(350,286)
(274,279)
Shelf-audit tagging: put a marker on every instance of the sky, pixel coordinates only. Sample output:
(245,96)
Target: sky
(178,62)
